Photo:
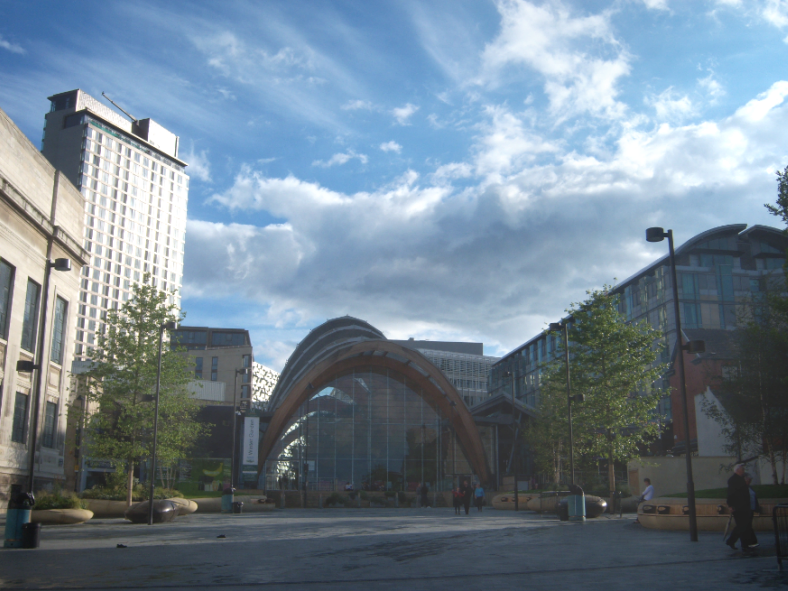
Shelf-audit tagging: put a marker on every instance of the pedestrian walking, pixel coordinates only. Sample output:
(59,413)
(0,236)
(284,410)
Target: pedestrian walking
(424,491)
(456,495)
(467,494)
(740,504)
(478,496)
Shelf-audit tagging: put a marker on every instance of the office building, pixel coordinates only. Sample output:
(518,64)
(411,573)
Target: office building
(264,381)
(464,364)
(720,273)
(136,192)
(41,226)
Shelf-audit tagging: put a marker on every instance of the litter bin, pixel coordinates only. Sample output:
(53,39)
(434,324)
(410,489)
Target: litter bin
(563,510)
(576,503)
(31,535)
(576,507)
(238,507)
(18,515)
(227,500)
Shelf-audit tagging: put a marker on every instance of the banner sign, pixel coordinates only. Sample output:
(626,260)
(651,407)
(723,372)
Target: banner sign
(251,440)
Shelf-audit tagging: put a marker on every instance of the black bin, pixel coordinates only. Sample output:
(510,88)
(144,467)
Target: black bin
(31,535)
(238,507)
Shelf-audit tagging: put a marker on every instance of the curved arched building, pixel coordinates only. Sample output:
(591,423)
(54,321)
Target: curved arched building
(352,407)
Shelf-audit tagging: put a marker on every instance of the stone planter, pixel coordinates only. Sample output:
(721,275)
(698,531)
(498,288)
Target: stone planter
(185,506)
(60,516)
(505,502)
(711,514)
(103,509)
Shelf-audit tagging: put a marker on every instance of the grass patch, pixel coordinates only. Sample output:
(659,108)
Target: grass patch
(764,491)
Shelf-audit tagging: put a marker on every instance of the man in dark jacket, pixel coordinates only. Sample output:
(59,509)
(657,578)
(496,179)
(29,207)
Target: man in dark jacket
(739,503)
(467,495)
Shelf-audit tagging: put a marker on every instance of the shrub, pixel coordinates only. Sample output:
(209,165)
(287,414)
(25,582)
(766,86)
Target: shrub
(390,494)
(140,492)
(403,498)
(58,500)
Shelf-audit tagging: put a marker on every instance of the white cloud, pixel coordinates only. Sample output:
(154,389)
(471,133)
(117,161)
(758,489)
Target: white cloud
(356,105)
(391,146)
(578,57)
(713,89)
(199,164)
(423,256)
(340,158)
(12,47)
(403,114)
(670,106)
(656,4)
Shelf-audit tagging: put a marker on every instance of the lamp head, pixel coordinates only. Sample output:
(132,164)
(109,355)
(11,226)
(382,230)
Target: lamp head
(171,325)
(555,327)
(62,264)
(655,235)
(22,365)
(695,347)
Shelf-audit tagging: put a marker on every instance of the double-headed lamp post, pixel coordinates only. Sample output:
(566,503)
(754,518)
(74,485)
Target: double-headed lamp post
(564,328)
(162,327)
(658,235)
(515,456)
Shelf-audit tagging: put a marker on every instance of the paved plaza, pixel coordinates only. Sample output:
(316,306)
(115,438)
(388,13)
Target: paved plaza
(384,549)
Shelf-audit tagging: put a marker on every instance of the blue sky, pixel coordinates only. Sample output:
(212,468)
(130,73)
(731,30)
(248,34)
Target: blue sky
(444,170)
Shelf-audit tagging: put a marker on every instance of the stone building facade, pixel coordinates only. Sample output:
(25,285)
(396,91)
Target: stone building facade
(41,221)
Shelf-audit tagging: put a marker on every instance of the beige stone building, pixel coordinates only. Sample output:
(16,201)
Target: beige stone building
(41,222)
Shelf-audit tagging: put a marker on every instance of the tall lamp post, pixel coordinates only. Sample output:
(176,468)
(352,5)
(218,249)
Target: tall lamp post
(162,327)
(238,372)
(564,328)
(657,235)
(515,455)
(57,265)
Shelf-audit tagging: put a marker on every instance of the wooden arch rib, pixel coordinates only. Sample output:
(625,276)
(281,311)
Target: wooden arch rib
(362,355)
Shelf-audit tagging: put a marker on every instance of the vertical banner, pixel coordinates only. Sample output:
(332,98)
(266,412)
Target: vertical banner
(251,440)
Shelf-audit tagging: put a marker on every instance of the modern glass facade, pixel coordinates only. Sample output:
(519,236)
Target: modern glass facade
(371,428)
(720,273)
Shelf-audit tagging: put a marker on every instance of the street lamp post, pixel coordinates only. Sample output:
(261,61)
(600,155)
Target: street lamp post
(57,265)
(657,235)
(238,372)
(564,328)
(515,455)
(162,327)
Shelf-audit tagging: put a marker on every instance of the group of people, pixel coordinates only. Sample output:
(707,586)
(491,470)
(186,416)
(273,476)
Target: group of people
(462,496)
(743,503)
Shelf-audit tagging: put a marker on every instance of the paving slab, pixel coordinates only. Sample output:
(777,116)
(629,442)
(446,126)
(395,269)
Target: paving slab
(383,549)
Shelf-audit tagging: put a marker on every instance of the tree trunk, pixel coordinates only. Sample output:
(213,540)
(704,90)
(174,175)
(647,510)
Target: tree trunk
(130,485)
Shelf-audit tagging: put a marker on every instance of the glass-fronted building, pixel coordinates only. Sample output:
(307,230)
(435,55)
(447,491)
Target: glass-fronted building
(720,272)
(352,409)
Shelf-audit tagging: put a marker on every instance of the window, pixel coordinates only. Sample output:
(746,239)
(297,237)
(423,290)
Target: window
(214,368)
(50,423)
(247,361)
(198,368)
(31,316)
(228,339)
(244,391)
(6,290)
(19,428)
(59,330)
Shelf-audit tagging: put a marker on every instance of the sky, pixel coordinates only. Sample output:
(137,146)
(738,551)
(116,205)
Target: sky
(443,170)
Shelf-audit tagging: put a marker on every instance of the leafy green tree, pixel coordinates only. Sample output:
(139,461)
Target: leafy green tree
(780,209)
(122,383)
(613,363)
(754,388)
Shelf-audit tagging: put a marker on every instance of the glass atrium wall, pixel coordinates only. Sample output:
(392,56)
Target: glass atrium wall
(370,429)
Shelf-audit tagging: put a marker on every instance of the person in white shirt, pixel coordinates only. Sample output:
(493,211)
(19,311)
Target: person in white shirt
(648,493)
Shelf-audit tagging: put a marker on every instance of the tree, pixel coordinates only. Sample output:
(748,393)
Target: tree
(754,388)
(613,364)
(781,208)
(123,381)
